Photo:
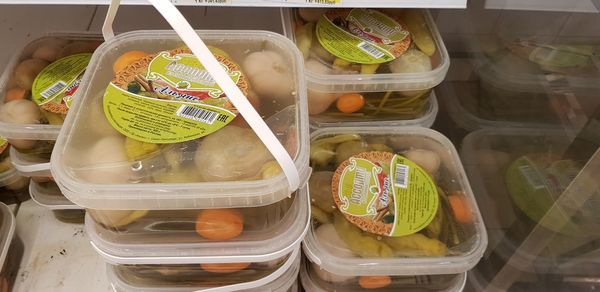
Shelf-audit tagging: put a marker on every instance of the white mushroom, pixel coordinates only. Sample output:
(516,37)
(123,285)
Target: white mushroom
(426,159)
(20,111)
(269,74)
(106,162)
(318,101)
(412,61)
(331,241)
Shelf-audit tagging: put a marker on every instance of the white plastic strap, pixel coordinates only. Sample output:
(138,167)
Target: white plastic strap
(235,95)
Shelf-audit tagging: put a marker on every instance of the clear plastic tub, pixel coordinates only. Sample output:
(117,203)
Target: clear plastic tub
(536,63)
(13,186)
(392,94)
(52,65)
(278,275)
(489,156)
(112,181)
(196,236)
(11,249)
(31,165)
(426,120)
(47,194)
(315,279)
(474,107)
(448,238)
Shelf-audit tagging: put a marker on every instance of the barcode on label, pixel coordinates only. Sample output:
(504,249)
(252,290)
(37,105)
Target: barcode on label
(54,89)
(326,2)
(371,50)
(401,176)
(532,176)
(197,114)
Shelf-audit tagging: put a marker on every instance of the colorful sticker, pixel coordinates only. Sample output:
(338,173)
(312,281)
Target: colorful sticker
(171,99)
(3,144)
(54,87)
(364,36)
(385,193)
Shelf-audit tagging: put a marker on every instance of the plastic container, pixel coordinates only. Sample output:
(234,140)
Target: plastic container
(47,194)
(52,55)
(113,183)
(449,238)
(278,275)
(314,279)
(426,120)
(488,156)
(399,98)
(536,63)
(13,186)
(11,249)
(474,107)
(196,236)
(31,165)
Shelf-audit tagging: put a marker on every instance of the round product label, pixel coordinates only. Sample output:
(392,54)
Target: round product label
(54,87)
(170,98)
(384,193)
(364,36)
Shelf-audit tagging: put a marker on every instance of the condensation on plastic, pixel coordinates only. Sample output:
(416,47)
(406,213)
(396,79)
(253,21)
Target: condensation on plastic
(121,248)
(422,138)
(310,283)
(376,82)
(170,195)
(498,215)
(34,131)
(48,195)
(281,280)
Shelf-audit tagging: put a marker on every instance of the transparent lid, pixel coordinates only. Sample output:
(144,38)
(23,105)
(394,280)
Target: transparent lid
(421,64)
(48,195)
(484,105)
(315,279)
(11,180)
(536,63)
(275,275)
(7,229)
(356,229)
(421,114)
(39,80)
(197,236)
(97,167)
(31,164)
(502,164)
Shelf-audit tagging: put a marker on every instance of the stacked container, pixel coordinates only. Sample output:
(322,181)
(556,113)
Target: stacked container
(11,249)
(13,186)
(369,65)
(543,82)
(436,237)
(209,212)
(36,92)
(518,174)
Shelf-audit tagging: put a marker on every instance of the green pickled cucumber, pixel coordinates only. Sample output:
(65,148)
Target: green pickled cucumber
(319,215)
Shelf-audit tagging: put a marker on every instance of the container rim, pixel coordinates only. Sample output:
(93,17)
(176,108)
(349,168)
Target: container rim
(7,229)
(42,197)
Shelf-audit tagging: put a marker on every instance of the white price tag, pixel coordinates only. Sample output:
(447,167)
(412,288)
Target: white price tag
(201,2)
(324,2)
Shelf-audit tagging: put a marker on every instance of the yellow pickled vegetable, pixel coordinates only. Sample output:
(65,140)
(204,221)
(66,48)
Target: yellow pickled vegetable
(347,149)
(53,118)
(304,38)
(270,169)
(416,245)
(434,229)
(319,215)
(341,64)
(368,68)
(360,242)
(136,150)
(417,25)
